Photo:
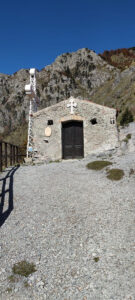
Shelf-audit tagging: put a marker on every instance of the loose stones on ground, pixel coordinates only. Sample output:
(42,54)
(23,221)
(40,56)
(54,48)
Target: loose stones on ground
(77,227)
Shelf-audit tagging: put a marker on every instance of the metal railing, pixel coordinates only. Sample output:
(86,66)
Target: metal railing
(9,155)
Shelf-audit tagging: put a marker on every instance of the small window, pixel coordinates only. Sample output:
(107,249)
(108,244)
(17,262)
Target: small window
(112,121)
(50,122)
(93,121)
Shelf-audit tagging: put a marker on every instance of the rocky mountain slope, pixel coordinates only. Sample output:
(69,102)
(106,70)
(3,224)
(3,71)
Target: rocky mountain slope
(82,74)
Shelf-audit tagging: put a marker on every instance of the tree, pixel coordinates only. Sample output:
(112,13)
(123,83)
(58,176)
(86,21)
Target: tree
(126,117)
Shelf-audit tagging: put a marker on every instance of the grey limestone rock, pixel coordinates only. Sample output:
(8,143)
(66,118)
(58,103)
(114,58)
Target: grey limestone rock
(77,74)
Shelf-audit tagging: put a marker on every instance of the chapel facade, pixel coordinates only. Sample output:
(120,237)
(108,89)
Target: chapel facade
(73,128)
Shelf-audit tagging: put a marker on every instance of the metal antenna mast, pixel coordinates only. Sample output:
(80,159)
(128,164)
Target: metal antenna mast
(30,90)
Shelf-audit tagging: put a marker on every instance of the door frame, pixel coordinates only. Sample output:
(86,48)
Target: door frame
(68,121)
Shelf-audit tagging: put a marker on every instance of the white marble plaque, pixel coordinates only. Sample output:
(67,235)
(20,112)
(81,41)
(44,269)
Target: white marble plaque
(48,131)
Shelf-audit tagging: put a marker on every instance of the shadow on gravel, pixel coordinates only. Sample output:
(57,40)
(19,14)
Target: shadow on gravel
(4,215)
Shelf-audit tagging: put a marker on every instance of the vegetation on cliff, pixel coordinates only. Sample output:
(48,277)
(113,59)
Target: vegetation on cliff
(120,58)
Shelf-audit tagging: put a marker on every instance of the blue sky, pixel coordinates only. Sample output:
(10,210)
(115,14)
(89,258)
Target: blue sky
(34,33)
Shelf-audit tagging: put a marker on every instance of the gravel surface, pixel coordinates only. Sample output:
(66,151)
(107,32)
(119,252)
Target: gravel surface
(75,225)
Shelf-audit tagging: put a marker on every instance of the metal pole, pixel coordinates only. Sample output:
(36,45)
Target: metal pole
(31,91)
(29,143)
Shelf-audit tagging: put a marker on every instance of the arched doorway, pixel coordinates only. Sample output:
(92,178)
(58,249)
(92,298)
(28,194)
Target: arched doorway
(72,140)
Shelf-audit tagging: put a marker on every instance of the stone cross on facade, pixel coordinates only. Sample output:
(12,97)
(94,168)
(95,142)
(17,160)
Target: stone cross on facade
(72,104)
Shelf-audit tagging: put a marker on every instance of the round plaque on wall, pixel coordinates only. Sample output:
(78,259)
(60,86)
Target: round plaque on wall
(48,131)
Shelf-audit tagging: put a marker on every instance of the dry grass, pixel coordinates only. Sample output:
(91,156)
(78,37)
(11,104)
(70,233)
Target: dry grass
(115,174)
(12,278)
(24,268)
(98,165)
(131,172)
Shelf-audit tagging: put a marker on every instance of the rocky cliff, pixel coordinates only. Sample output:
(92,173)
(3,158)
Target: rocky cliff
(83,74)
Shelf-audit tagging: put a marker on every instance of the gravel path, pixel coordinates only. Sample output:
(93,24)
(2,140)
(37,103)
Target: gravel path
(76,226)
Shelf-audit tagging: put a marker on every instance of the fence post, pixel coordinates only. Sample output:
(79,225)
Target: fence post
(11,155)
(5,154)
(0,156)
(17,154)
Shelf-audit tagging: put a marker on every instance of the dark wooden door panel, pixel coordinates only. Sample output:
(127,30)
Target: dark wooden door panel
(68,151)
(72,139)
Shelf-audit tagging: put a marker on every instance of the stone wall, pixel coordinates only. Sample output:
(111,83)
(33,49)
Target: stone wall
(99,137)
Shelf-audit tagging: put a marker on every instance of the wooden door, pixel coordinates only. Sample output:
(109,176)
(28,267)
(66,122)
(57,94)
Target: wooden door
(72,139)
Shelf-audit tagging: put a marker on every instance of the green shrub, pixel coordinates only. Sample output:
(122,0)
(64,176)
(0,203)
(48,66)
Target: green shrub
(126,117)
(115,174)
(96,259)
(98,164)
(125,140)
(128,136)
(24,268)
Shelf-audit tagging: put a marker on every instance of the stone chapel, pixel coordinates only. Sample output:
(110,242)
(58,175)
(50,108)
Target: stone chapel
(73,128)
